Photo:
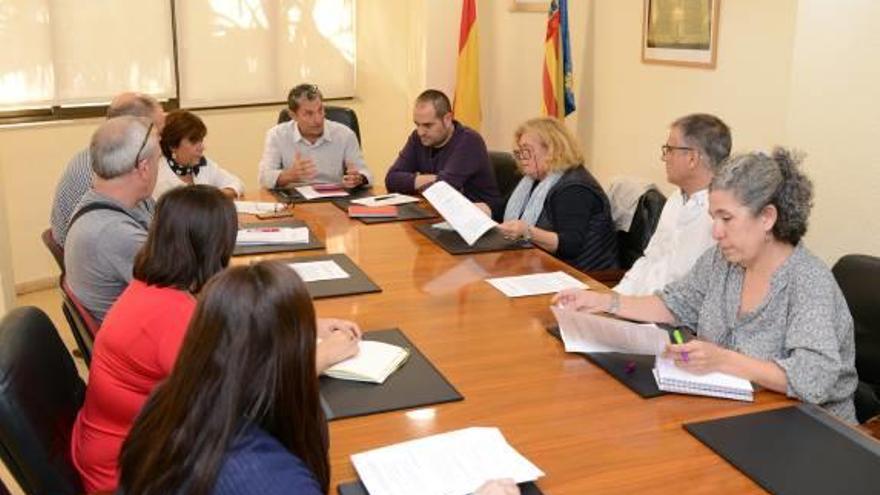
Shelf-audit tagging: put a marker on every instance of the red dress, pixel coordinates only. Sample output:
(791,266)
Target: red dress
(135,349)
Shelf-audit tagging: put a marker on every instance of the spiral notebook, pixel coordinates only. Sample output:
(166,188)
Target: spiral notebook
(671,378)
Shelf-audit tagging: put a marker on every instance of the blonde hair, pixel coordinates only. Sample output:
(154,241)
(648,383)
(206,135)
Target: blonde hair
(563,150)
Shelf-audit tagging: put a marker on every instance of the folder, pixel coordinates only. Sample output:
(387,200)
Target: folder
(405,212)
(358,488)
(357,281)
(291,195)
(314,242)
(417,383)
(453,243)
(795,450)
(634,371)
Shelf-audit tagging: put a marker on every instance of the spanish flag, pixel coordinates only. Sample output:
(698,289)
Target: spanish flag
(557,82)
(466,105)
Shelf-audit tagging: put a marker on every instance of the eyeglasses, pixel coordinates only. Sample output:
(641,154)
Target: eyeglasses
(522,154)
(666,149)
(137,157)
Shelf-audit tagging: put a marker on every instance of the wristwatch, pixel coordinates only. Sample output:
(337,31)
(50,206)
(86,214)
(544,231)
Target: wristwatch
(614,305)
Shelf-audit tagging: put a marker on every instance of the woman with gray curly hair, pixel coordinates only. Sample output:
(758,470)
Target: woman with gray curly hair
(764,307)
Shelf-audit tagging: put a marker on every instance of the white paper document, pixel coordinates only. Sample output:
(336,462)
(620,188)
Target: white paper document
(272,235)
(313,271)
(386,200)
(671,378)
(469,221)
(453,463)
(255,207)
(310,192)
(374,362)
(536,284)
(586,332)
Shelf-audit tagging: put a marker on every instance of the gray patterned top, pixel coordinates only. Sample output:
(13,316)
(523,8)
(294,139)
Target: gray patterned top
(803,324)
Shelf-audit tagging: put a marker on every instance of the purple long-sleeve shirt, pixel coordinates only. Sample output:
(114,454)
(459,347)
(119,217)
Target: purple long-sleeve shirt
(463,163)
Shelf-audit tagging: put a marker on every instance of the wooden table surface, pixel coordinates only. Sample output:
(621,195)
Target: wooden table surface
(586,431)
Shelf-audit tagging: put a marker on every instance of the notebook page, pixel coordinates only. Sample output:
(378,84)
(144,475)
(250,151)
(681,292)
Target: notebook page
(674,379)
(375,361)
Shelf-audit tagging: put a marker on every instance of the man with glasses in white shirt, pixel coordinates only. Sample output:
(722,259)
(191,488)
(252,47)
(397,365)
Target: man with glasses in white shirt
(696,146)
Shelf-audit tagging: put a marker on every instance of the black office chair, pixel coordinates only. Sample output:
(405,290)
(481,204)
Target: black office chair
(54,248)
(858,276)
(343,115)
(507,173)
(40,395)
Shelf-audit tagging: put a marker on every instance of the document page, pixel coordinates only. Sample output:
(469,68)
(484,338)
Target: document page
(272,235)
(469,221)
(255,207)
(586,332)
(313,271)
(535,284)
(309,192)
(386,200)
(453,463)
(374,362)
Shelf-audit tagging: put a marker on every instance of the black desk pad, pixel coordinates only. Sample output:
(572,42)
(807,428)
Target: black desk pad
(417,383)
(291,195)
(357,283)
(795,450)
(358,488)
(632,370)
(408,211)
(314,242)
(453,243)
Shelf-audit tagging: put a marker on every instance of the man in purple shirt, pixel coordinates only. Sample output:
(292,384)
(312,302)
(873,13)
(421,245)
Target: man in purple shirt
(441,148)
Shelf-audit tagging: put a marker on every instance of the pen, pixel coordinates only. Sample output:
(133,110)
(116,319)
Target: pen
(676,334)
(380,198)
(630,368)
(265,229)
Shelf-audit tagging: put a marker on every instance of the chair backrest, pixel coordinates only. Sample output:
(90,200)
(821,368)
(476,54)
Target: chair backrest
(54,248)
(40,395)
(82,323)
(858,276)
(631,245)
(507,173)
(344,115)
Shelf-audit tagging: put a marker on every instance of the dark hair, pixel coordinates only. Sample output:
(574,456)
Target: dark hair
(309,91)
(438,99)
(248,358)
(758,180)
(191,238)
(180,124)
(708,133)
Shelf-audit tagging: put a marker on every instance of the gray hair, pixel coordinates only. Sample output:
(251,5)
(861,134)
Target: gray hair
(133,104)
(758,180)
(116,145)
(709,134)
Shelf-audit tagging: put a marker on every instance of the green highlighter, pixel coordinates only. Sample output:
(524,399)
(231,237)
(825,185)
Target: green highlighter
(676,334)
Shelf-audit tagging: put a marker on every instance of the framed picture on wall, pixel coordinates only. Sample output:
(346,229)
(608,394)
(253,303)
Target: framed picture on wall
(529,6)
(680,32)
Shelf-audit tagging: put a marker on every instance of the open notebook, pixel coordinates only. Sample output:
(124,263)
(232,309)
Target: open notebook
(674,379)
(374,362)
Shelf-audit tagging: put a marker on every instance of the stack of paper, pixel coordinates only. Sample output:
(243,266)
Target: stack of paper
(585,332)
(469,221)
(374,362)
(453,463)
(317,191)
(671,378)
(314,271)
(386,200)
(256,207)
(272,235)
(535,284)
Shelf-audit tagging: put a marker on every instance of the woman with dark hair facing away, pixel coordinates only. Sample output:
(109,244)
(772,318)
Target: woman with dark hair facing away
(240,413)
(184,161)
(764,307)
(191,238)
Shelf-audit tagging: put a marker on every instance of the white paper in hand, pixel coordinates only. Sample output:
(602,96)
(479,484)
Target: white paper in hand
(469,221)
(585,332)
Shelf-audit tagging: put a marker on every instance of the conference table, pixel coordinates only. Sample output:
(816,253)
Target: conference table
(585,430)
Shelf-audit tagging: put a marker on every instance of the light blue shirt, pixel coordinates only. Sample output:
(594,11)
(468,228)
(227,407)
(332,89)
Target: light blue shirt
(337,145)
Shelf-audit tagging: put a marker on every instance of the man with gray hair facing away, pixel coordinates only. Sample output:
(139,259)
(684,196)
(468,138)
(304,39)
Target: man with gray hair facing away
(109,228)
(77,177)
(694,150)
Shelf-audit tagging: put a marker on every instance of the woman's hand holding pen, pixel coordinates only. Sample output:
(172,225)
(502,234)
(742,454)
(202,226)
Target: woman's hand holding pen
(699,356)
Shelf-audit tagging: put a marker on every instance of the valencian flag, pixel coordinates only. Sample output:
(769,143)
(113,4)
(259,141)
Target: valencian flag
(557,83)
(466,104)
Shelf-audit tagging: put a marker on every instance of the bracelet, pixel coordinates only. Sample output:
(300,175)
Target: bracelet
(614,306)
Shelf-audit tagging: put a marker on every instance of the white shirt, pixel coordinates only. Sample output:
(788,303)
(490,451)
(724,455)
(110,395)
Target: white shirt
(337,145)
(211,174)
(683,233)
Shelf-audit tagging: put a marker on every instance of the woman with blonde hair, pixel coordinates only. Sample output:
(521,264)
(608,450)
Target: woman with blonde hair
(558,205)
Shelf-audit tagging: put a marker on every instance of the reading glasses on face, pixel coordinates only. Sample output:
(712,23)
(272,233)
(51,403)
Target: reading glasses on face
(522,154)
(666,149)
